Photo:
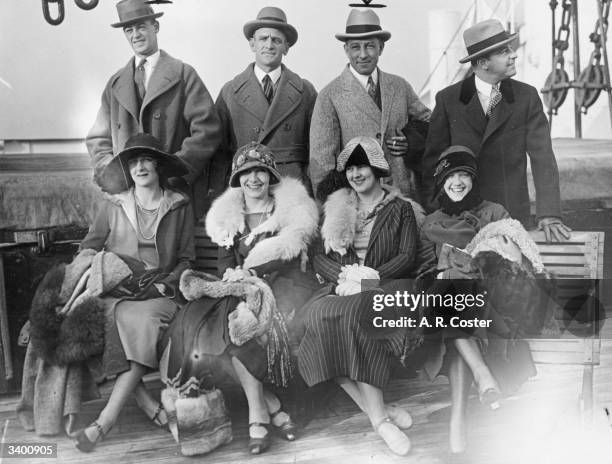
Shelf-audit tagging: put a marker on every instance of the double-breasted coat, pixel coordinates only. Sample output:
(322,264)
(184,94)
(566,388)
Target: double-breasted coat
(345,110)
(517,128)
(283,126)
(177,109)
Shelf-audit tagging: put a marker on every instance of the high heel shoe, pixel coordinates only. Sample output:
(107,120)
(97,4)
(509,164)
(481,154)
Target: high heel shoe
(258,445)
(288,429)
(156,417)
(82,441)
(490,396)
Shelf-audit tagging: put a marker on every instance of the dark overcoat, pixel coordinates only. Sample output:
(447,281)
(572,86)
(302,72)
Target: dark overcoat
(518,128)
(283,126)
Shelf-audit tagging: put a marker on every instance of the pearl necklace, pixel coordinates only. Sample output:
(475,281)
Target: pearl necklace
(141,210)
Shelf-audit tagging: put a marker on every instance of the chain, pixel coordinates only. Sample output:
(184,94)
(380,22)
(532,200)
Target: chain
(561,43)
(599,33)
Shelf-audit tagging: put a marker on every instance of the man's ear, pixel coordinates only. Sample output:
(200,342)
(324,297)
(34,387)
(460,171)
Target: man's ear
(252,44)
(382,46)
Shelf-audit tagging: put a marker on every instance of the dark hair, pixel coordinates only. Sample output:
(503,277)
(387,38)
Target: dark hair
(159,169)
(474,62)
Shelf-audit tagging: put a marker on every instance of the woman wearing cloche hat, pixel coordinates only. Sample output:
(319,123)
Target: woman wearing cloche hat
(263,224)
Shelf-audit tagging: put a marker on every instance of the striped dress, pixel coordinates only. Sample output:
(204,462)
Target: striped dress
(338,341)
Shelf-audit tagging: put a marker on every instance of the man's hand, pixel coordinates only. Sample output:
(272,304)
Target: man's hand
(554,229)
(397,145)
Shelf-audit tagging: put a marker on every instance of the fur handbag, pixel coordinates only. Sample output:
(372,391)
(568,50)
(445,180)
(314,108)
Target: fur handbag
(197,419)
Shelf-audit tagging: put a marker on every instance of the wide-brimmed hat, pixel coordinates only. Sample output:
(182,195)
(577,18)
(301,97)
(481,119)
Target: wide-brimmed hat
(454,158)
(132,11)
(484,37)
(363,24)
(371,153)
(272,17)
(116,176)
(253,155)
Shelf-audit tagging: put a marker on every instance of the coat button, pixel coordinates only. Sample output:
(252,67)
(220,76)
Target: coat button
(157,115)
(378,135)
(287,126)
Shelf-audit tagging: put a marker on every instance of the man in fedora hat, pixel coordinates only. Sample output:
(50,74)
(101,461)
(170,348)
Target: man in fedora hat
(157,94)
(364,101)
(502,121)
(267,102)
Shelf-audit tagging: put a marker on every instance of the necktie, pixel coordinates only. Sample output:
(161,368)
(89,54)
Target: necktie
(139,79)
(267,88)
(372,89)
(496,97)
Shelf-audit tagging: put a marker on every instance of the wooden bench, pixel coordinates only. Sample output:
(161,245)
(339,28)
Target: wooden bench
(578,266)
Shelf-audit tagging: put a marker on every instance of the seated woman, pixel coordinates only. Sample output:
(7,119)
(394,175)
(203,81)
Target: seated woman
(263,224)
(368,233)
(151,228)
(456,352)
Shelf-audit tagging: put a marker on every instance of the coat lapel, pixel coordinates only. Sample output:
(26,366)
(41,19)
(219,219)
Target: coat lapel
(249,94)
(167,73)
(288,96)
(474,114)
(380,220)
(387,95)
(357,95)
(125,91)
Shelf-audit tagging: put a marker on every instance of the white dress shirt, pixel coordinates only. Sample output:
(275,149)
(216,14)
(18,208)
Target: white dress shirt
(484,92)
(149,66)
(274,75)
(363,80)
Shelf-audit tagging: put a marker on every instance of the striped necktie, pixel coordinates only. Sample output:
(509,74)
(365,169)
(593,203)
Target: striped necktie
(496,97)
(268,88)
(139,79)
(372,89)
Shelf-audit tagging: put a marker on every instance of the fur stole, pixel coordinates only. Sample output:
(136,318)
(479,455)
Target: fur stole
(488,239)
(59,339)
(256,316)
(252,317)
(340,210)
(294,222)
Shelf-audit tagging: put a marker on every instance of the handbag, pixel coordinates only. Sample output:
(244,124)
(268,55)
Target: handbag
(197,418)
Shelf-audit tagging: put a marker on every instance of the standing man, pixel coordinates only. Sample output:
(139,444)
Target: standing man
(364,101)
(156,94)
(267,103)
(502,121)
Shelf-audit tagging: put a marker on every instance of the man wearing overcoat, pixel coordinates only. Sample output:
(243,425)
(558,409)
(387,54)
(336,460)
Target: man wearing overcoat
(156,94)
(267,102)
(364,101)
(502,121)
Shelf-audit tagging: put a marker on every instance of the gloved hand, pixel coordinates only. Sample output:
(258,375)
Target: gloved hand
(348,287)
(554,229)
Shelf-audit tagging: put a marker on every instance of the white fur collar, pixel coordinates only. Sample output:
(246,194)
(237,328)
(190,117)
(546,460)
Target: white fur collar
(340,209)
(294,222)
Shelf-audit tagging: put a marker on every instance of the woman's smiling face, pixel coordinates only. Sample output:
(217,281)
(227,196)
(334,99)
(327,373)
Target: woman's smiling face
(255,183)
(458,185)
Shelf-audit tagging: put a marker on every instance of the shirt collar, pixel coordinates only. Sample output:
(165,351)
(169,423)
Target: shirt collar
(363,80)
(484,87)
(260,73)
(151,60)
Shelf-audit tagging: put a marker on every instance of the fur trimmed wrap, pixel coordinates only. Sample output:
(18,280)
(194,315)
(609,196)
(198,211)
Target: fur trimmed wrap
(294,222)
(338,229)
(521,291)
(256,316)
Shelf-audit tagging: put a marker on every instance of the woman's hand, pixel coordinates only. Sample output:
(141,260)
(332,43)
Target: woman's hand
(348,287)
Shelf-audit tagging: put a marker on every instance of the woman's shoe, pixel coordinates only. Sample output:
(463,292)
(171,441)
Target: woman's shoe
(157,416)
(395,439)
(83,443)
(288,429)
(258,445)
(490,396)
(399,416)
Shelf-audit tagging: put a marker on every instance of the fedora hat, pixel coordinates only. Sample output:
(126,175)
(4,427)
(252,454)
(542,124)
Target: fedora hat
(363,24)
(116,176)
(484,37)
(270,16)
(132,11)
